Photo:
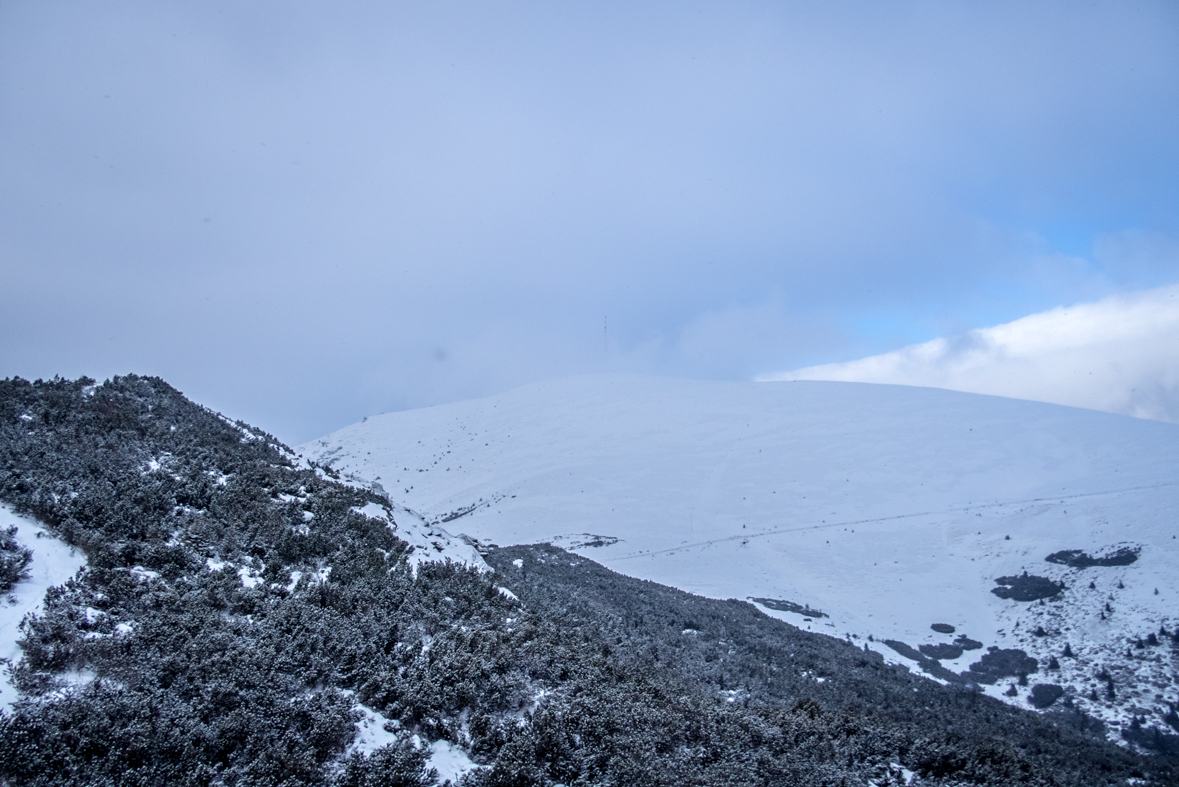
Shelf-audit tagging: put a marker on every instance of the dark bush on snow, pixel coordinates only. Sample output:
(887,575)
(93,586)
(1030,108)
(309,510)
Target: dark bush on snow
(14,560)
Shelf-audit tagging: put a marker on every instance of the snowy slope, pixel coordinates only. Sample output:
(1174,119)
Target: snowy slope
(427,539)
(54,563)
(887,508)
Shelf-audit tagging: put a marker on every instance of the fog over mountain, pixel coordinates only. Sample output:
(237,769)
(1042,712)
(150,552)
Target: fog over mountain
(303,215)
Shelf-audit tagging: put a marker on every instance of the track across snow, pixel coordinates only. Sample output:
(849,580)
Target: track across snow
(833,525)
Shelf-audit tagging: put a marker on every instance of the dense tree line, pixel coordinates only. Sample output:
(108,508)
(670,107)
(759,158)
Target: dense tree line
(236,607)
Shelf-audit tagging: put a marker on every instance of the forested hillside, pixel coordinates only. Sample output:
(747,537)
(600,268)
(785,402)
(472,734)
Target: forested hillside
(240,614)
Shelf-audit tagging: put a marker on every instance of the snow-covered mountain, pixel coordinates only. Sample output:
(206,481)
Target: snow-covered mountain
(889,510)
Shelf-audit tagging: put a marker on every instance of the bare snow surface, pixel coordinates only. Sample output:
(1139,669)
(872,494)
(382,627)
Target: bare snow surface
(54,562)
(451,762)
(429,541)
(374,731)
(886,508)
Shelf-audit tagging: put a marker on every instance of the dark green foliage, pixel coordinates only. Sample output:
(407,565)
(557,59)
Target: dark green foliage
(392,766)
(194,678)
(1152,738)
(1026,587)
(1075,558)
(998,663)
(159,664)
(14,560)
(941,650)
(928,664)
(966,643)
(852,710)
(1044,694)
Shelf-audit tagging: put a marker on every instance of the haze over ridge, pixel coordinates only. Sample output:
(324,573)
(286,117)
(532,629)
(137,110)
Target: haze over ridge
(302,216)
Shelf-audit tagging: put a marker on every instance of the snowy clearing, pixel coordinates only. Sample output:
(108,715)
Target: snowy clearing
(429,542)
(451,762)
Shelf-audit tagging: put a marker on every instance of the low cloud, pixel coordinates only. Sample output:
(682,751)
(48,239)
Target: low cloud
(378,206)
(1119,355)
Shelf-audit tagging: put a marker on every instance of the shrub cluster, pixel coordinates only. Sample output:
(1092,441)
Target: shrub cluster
(14,560)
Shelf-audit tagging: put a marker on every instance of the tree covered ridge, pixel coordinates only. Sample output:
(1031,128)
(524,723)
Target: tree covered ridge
(236,607)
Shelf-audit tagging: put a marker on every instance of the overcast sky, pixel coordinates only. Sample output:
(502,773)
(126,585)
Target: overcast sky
(1119,355)
(304,213)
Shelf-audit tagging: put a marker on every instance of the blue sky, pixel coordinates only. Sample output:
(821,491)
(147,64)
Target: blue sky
(301,214)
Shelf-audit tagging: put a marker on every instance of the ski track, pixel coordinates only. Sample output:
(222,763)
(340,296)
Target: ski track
(894,517)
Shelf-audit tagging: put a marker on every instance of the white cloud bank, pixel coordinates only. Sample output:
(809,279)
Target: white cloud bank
(1119,355)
